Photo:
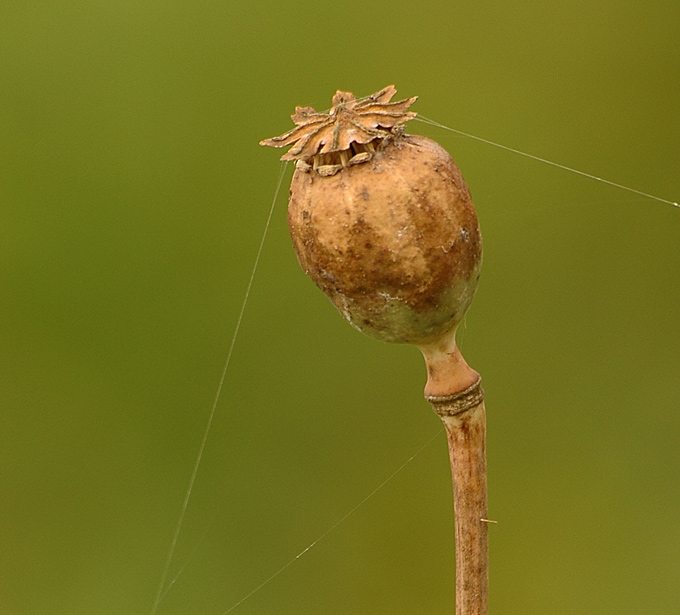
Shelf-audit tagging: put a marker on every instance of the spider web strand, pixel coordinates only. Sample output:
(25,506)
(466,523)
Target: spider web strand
(426,120)
(187,496)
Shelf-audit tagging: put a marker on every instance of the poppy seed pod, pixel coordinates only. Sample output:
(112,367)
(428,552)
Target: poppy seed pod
(383,222)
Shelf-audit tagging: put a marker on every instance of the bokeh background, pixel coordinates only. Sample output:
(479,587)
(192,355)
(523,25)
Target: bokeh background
(133,195)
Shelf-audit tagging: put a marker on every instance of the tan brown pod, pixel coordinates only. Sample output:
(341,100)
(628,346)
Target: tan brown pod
(383,222)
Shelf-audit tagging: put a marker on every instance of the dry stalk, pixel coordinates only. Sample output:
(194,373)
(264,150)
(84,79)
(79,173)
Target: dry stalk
(464,417)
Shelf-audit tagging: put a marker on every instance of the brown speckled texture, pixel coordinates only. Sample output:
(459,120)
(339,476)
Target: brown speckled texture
(394,242)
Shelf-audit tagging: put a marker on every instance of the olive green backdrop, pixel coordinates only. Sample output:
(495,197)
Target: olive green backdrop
(133,195)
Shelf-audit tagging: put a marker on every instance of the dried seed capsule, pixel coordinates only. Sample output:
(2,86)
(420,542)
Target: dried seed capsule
(382,221)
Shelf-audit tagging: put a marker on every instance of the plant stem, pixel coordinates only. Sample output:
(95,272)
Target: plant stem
(454,390)
(466,434)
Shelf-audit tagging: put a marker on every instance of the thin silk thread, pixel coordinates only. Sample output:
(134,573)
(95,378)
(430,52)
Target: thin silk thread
(211,415)
(426,120)
(336,524)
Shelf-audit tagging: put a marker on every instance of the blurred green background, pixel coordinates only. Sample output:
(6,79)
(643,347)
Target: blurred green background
(133,195)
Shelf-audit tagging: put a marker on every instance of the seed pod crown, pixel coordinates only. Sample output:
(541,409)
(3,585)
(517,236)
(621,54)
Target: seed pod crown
(348,134)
